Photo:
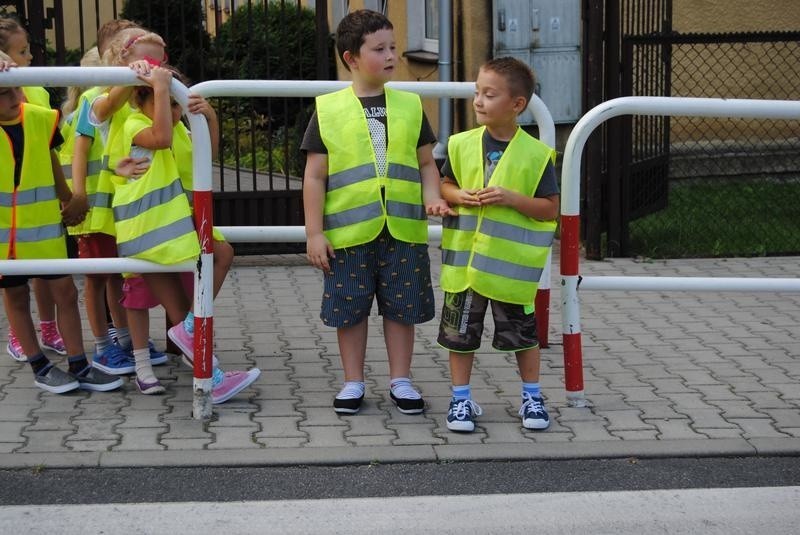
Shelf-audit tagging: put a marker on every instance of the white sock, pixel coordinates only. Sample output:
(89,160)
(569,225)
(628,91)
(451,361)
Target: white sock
(144,370)
(351,390)
(401,388)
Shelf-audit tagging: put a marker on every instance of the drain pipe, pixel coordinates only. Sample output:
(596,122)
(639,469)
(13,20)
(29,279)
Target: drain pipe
(445,75)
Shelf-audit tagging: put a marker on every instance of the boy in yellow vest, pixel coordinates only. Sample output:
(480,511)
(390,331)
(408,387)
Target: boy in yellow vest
(32,191)
(370,182)
(502,183)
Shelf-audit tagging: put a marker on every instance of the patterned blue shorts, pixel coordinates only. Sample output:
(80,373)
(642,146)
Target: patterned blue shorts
(398,272)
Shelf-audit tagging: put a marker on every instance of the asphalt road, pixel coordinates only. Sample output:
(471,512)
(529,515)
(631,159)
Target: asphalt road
(45,486)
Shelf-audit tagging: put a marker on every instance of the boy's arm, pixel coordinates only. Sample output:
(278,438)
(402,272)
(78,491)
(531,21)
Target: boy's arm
(318,248)
(80,163)
(429,173)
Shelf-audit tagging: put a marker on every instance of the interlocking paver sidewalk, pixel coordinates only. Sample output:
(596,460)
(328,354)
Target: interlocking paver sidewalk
(666,374)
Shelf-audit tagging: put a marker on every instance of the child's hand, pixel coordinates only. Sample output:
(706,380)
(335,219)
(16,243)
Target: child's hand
(439,207)
(141,67)
(496,195)
(158,77)
(468,197)
(318,251)
(132,167)
(74,212)
(6,64)
(199,105)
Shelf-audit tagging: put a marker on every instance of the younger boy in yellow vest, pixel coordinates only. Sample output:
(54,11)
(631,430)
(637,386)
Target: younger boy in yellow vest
(32,191)
(370,182)
(503,185)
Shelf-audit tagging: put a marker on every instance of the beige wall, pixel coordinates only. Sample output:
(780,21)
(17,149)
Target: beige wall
(713,16)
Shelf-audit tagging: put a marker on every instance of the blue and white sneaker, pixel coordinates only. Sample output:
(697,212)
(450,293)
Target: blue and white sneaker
(462,413)
(534,415)
(114,360)
(156,357)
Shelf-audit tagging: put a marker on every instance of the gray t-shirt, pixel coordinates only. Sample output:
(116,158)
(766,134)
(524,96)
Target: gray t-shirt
(375,112)
(493,149)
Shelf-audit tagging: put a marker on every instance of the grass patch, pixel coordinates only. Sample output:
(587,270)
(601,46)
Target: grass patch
(722,218)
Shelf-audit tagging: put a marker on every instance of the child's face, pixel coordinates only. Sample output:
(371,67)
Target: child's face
(494,104)
(19,50)
(176,110)
(376,58)
(10,100)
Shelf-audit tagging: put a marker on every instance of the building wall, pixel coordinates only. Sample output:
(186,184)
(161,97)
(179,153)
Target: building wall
(715,16)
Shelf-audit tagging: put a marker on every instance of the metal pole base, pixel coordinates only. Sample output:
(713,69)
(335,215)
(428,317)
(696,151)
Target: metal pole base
(201,402)
(577,399)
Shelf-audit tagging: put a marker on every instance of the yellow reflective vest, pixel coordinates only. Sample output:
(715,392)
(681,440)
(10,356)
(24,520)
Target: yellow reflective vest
(495,250)
(355,210)
(98,201)
(102,219)
(37,95)
(152,217)
(30,214)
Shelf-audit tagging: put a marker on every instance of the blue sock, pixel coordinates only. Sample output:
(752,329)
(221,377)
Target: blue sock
(188,322)
(532,389)
(462,392)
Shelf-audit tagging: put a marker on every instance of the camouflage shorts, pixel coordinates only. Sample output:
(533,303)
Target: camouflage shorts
(461,326)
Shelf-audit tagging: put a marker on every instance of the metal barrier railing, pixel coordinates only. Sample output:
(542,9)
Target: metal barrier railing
(203,299)
(570,217)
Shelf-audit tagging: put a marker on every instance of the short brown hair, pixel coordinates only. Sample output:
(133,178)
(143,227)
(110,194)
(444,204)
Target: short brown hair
(354,27)
(519,77)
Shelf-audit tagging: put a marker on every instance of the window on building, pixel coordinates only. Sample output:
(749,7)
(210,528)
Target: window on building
(423,25)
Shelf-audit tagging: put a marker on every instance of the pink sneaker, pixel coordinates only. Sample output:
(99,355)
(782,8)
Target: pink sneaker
(185,343)
(14,348)
(51,338)
(228,384)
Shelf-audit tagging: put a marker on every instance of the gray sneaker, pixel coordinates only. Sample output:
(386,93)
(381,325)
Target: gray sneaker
(56,381)
(98,381)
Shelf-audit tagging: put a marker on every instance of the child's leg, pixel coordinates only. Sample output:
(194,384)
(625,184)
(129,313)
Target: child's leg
(168,288)
(65,295)
(399,339)
(353,349)
(139,322)
(528,361)
(223,258)
(17,302)
(45,305)
(95,295)
(461,368)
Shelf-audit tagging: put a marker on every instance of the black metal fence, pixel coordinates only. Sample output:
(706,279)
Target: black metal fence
(734,184)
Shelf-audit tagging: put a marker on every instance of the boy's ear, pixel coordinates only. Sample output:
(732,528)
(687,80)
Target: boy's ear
(520,103)
(350,59)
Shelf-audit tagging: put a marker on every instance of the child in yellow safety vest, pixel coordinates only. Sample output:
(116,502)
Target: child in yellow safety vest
(163,233)
(32,193)
(14,43)
(502,183)
(370,182)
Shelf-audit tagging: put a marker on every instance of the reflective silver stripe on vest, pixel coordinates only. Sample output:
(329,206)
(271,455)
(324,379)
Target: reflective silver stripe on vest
(28,196)
(460,222)
(516,234)
(101,199)
(351,176)
(505,269)
(156,237)
(92,168)
(455,258)
(67,170)
(34,234)
(104,164)
(150,200)
(352,216)
(403,172)
(190,196)
(405,210)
